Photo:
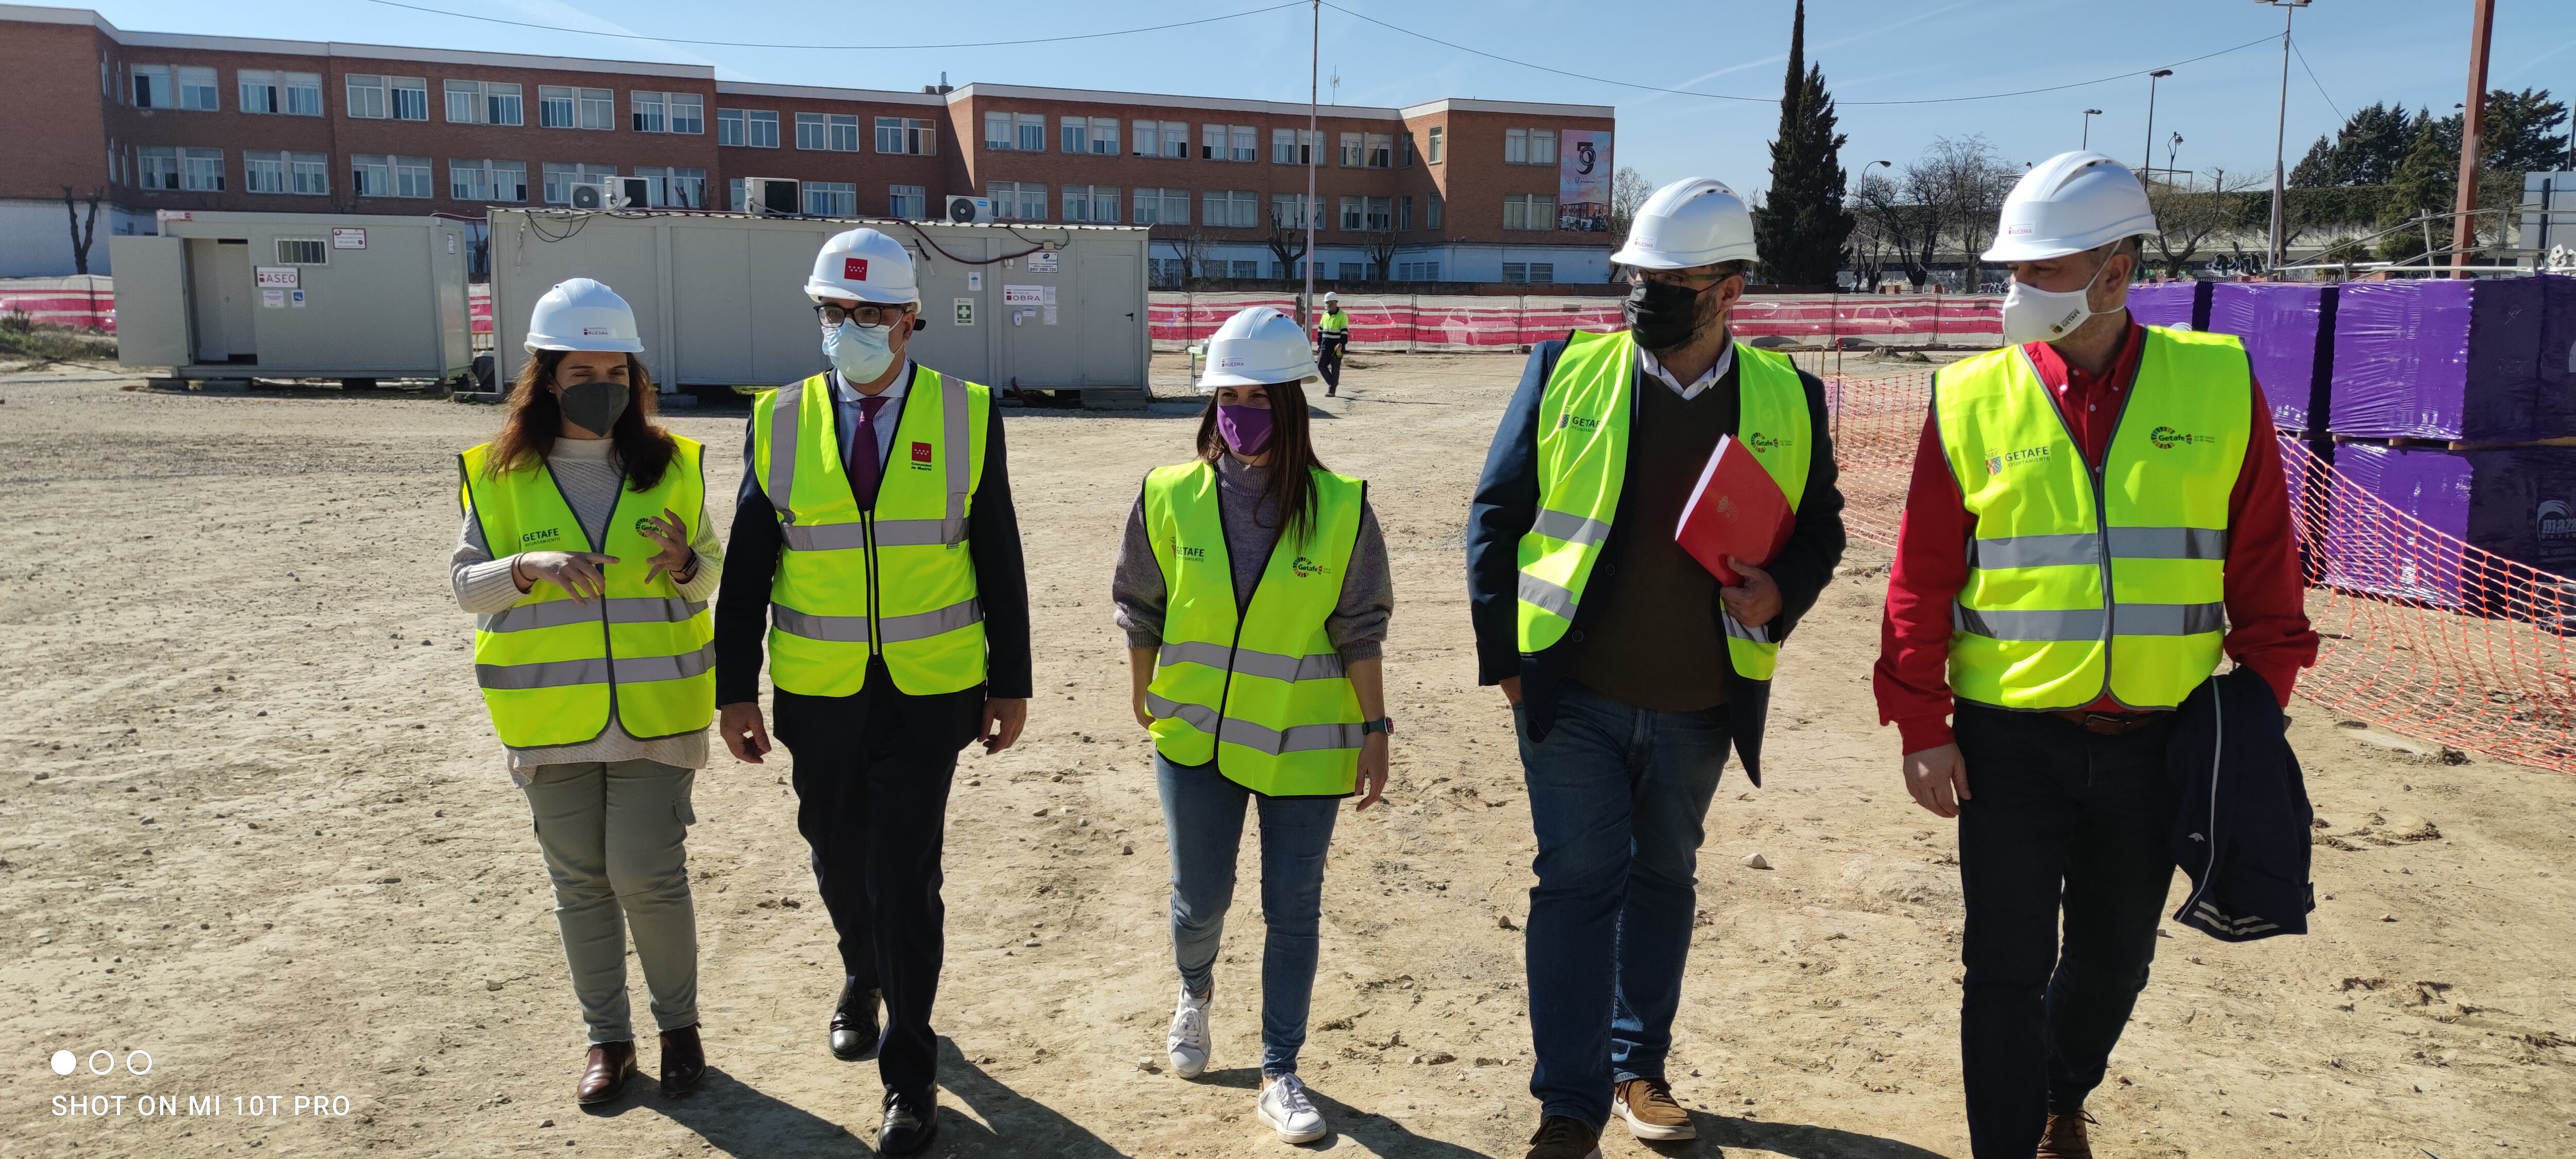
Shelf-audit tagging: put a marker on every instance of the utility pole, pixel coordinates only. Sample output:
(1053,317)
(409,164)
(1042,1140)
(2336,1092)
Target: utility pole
(2147,163)
(2464,225)
(2089,114)
(2281,130)
(1312,146)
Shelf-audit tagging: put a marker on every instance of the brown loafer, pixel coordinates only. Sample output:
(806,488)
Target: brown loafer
(603,1076)
(684,1060)
(2065,1137)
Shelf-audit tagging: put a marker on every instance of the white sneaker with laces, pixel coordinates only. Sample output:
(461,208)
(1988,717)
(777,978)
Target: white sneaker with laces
(1285,1108)
(1188,1041)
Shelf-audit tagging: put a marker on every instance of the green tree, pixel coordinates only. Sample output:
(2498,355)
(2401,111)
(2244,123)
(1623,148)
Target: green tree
(2518,137)
(2423,184)
(2366,150)
(1803,224)
(2310,172)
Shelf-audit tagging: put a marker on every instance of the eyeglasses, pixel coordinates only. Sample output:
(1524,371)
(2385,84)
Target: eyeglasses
(1673,277)
(834,315)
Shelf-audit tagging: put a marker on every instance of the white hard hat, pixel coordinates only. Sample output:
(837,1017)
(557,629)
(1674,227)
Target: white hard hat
(1256,347)
(1329,297)
(1696,221)
(583,315)
(2068,204)
(863,265)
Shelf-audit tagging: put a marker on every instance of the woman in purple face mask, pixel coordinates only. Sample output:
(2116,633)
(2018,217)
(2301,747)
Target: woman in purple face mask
(1253,588)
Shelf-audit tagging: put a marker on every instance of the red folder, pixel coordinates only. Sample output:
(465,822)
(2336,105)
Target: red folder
(1735,510)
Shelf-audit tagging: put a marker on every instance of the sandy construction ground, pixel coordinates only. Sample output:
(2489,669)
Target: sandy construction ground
(253,823)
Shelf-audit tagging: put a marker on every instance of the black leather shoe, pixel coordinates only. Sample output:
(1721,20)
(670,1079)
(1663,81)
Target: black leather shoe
(684,1060)
(855,1029)
(911,1122)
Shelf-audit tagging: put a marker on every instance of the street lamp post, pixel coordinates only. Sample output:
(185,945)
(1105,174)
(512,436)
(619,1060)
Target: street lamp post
(2170,147)
(2281,127)
(2149,160)
(2089,114)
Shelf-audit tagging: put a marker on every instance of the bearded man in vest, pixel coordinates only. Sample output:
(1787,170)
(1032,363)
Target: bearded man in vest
(2097,515)
(880,566)
(1629,668)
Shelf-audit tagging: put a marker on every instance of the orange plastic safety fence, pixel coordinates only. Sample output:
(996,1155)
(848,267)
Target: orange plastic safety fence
(2420,630)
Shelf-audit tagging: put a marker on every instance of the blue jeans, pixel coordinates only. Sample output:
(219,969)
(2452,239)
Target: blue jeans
(1617,794)
(1203,814)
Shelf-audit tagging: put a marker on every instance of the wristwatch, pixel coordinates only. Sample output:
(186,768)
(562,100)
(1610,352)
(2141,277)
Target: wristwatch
(1384,724)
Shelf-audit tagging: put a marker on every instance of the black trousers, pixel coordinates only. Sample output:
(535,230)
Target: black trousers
(872,776)
(1328,356)
(2064,824)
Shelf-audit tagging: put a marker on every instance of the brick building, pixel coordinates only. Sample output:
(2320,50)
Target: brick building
(1447,190)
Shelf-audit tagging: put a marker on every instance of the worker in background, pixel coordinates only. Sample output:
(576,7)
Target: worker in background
(1332,337)
(1253,587)
(2092,506)
(587,561)
(879,556)
(1628,667)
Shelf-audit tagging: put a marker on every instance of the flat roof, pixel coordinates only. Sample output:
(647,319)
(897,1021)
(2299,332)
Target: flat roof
(44,14)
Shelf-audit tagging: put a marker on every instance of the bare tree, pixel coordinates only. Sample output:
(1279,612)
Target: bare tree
(1197,252)
(1379,245)
(1963,179)
(1628,190)
(1866,250)
(2187,217)
(1287,242)
(83,233)
(1910,228)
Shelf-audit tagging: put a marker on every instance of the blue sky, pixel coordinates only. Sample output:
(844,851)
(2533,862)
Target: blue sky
(1872,50)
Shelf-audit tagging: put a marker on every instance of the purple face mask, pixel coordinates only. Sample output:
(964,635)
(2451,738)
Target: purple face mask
(1245,429)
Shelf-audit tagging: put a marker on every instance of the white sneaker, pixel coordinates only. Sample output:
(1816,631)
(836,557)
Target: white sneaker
(1188,1041)
(1285,1108)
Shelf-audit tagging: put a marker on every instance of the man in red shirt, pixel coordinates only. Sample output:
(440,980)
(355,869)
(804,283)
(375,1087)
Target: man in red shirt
(2061,796)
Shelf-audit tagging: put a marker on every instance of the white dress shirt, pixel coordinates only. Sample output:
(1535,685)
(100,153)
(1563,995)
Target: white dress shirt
(1646,361)
(887,416)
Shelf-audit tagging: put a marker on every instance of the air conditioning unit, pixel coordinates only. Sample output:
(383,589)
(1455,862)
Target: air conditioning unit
(969,210)
(775,196)
(596,194)
(633,192)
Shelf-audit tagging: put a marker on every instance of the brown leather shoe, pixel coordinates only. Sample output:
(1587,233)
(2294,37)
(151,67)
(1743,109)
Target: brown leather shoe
(1651,1111)
(603,1077)
(2065,1137)
(684,1060)
(1559,1137)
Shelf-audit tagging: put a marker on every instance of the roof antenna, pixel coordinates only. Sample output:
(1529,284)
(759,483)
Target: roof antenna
(1337,84)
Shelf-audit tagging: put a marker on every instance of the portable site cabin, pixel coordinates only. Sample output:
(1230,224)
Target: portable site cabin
(359,298)
(720,298)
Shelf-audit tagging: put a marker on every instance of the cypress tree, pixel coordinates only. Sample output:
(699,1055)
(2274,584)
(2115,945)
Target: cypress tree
(1803,223)
(2422,184)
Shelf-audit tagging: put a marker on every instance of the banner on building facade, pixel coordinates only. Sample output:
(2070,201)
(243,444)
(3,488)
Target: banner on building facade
(1583,180)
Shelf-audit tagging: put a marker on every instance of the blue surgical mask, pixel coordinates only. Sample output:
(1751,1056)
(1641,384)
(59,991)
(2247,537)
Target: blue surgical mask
(860,353)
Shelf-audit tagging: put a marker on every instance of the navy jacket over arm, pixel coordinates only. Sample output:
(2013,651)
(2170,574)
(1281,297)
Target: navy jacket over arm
(2241,814)
(1506,503)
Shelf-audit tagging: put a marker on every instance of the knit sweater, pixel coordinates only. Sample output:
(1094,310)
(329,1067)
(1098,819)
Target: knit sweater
(1357,626)
(590,475)
(1656,643)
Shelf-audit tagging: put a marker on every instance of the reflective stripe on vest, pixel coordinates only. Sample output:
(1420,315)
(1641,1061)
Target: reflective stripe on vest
(897,580)
(1257,689)
(1583,433)
(552,668)
(2085,583)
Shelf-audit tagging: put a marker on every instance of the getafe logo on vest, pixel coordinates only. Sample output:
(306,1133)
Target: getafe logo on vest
(1307,568)
(1996,461)
(540,535)
(2167,438)
(1762,442)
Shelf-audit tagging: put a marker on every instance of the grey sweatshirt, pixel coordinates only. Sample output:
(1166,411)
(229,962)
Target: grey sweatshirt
(1357,626)
(588,472)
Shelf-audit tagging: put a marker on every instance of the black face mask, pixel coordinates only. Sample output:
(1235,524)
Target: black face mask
(1662,315)
(595,406)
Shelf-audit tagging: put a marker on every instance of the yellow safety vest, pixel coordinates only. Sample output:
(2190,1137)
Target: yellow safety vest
(1335,322)
(553,668)
(896,581)
(1259,689)
(1583,421)
(2085,582)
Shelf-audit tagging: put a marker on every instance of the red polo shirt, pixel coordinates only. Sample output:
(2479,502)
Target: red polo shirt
(2266,601)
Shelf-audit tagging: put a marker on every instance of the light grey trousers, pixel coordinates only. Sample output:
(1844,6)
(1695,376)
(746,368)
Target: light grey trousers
(615,836)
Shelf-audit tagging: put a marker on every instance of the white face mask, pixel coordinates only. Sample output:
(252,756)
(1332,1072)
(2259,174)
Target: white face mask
(860,353)
(2035,315)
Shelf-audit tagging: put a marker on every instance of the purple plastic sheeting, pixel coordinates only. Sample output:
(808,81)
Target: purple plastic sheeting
(2555,408)
(2436,358)
(2281,325)
(2175,305)
(2518,503)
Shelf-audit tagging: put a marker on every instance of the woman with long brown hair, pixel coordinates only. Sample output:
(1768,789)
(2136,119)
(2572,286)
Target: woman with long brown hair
(1253,588)
(587,560)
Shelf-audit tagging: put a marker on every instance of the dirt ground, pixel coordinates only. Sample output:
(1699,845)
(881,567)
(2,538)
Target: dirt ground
(255,824)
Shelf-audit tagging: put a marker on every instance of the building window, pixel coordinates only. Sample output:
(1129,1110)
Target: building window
(649,114)
(1162,139)
(554,107)
(309,174)
(1288,211)
(259,91)
(201,170)
(566,107)
(909,202)
(833,132)
(1021,201)
(663,112)
(1351,212)
(909,136)
(1237,209)
(412,178)
(729,127)
(1351,272)
(487,180)
(1162,207)
(1097,135)
(1166,273)
(831,199)
(302,251)
(410,97)
(158,166)
(275,172)
(1381,151)
(1229,143)
(1294,146)
(688,113)
(762,127)
(1097,204)
(669,187)
(741,200)
(1438,151)
(1025,132)
(1246,270)
(502,104)
(1417,271)
(303,93)
(1529,146)
(371,175)
(1351,150)
(560,178)
(263,172)
(197,92)
(1520,272)
(1404,212)
(366,95)
(1529,211)
(152,87)
(1542,272)
(1431,212)
(473,102)
(1404,149)
(809,131)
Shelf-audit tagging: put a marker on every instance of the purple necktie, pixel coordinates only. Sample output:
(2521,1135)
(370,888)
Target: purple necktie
(863,454)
